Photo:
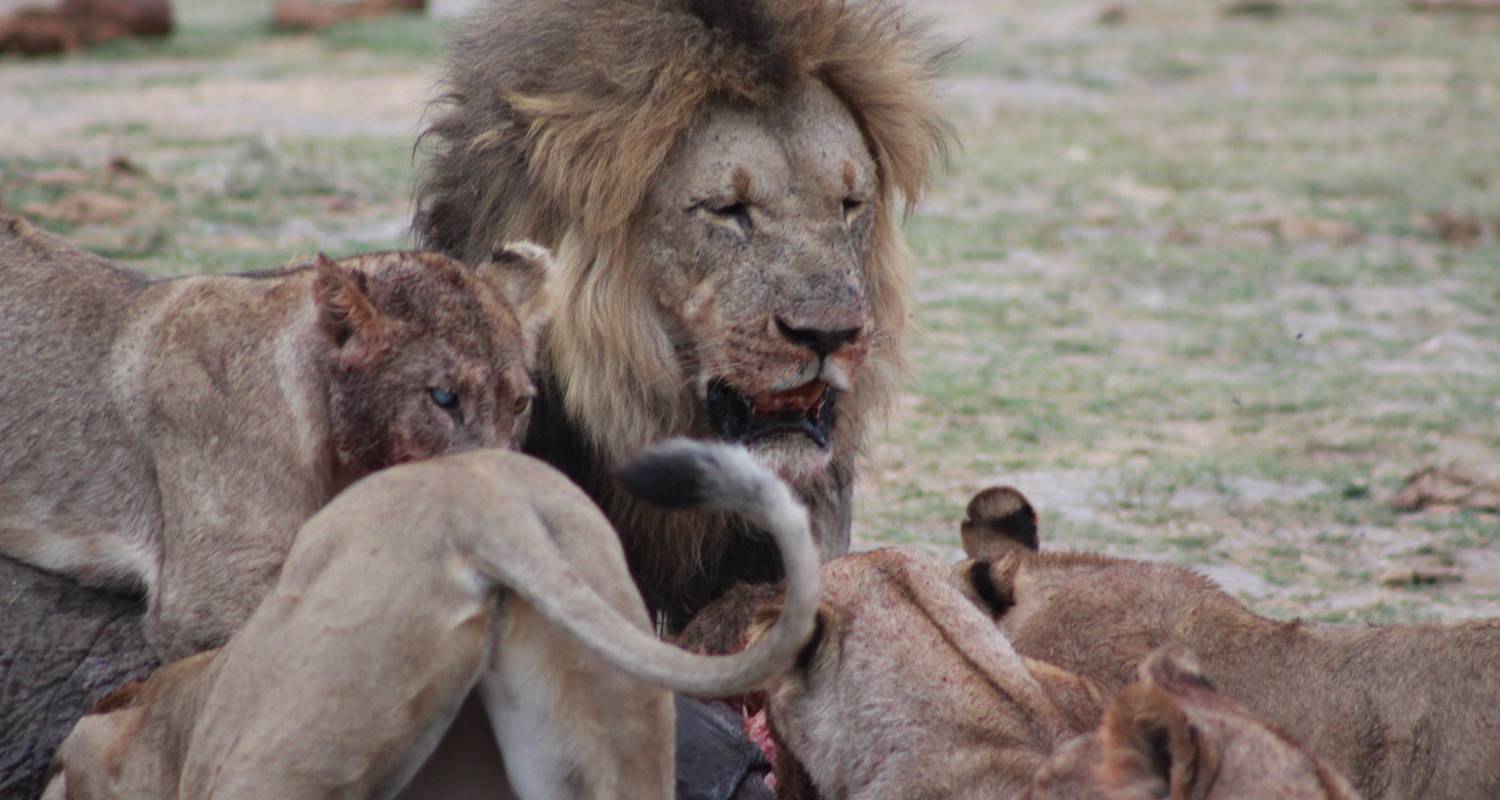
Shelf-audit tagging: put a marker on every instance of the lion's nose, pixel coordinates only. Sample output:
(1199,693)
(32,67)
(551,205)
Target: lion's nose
(821,341)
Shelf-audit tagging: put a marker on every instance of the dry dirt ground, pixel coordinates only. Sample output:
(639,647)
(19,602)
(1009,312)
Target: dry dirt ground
(1207,286)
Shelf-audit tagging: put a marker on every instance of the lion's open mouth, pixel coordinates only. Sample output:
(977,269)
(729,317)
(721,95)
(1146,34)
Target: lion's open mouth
(809,410)
(787,778)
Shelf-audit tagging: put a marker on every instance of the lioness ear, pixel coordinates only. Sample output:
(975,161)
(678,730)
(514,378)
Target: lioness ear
(998,520)
(522,270)
(1148,746)
(344,308)
(1173,667)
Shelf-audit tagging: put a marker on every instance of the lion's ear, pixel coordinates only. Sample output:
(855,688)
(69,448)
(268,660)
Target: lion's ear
(523,272)
(1150,747)
(345,312)
(998,520)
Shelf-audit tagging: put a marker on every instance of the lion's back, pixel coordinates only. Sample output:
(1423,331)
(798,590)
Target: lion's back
(66,447)
(60,309)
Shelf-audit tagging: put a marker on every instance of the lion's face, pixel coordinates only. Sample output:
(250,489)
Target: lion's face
(432,357)
(758,240)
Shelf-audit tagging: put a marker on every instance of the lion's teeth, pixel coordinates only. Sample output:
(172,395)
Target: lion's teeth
(806,398)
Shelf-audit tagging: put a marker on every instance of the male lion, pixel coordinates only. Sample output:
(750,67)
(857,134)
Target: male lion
(721,180)
(171,436)
(1404,711)
(486,572)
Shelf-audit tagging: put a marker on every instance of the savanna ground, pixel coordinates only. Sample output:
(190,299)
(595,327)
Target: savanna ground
(1207,287)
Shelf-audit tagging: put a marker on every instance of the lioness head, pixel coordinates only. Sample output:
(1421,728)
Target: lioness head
(1090,613)
(721,180)
(1094,614)
(1170,735)
(905,690)
(428,356)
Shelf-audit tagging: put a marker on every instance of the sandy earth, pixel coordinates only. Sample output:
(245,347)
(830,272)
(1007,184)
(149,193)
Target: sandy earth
(1278,541)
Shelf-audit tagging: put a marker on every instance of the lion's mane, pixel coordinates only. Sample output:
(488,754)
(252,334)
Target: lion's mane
(556,119)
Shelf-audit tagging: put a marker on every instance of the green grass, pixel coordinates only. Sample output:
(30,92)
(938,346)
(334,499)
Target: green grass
(1183,280)
(1189,256)
(408,37)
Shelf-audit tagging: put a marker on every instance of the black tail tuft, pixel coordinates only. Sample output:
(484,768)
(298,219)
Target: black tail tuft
(670,477)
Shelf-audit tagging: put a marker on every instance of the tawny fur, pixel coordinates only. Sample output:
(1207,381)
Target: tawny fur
(997,519)
(171,436)
(414,597)
(603,129)
(1403,711)
(1171,735)
(909,690)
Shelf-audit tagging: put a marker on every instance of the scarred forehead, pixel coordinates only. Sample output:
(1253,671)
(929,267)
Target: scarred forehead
(442,298)
(810,142)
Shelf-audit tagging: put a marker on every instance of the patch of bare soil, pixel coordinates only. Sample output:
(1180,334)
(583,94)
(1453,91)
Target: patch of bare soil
(242,102)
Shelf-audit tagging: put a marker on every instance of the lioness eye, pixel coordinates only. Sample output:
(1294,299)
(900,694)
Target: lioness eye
(852,208)
(521,405)
(445,399)
(737,212)
(996,598)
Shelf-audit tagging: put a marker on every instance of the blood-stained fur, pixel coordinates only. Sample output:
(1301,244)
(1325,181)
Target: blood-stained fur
(908,690)
(483,578)
(171,436)
(1402,711)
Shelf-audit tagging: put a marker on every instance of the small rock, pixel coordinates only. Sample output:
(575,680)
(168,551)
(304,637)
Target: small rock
(1446,489)
(1254,8)
(340,203)
(120,164)
(1419,575)
(1182,234)
(1114,14)
(1453,227)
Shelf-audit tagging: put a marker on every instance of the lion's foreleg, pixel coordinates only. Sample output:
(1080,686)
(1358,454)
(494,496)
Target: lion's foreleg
(569,725)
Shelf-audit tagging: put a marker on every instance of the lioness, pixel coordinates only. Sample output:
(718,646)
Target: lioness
(1404,711)
(1170,735)
(905,689)
(486,571)
(172,435)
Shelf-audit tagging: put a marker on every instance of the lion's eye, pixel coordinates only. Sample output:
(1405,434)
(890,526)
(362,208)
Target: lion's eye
(737,213)
(852,209)
(445,399)
(521,406)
